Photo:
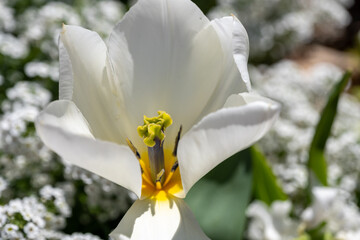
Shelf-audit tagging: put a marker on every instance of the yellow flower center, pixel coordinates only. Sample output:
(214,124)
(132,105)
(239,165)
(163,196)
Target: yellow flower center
(160,172)
(171,175)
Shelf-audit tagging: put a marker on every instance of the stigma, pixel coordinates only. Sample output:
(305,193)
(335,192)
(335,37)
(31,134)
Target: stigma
(159,166)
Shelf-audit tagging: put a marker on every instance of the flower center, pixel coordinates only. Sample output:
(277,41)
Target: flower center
(159,167)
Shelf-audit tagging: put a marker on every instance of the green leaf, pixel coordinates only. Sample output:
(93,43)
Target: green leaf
(265,185)
(219,200)
(317,162)
(320,233)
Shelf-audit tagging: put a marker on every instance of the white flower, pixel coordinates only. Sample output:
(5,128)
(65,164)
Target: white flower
(29,93)
(333,206)
(271,223)
(3,217)
(81,236)
(41,69)
(31,230)
(29,208)
(164,55)
(348,235)
(57,196)
(10,231)
(12,46)
(7,21)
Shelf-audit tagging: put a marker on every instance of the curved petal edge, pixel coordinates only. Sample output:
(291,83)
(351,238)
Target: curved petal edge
(235,40)
(62,128)
(244,119)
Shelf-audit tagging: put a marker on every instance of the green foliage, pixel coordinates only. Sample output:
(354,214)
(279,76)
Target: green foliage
(17,219)
(319,233)
(303,237)
(317,163)
(265,186)
(219,200)
(355,91)
(84,217)
(50,206)
(205,5)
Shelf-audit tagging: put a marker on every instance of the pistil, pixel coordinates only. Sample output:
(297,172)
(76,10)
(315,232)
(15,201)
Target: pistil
(153,134)
(156,161)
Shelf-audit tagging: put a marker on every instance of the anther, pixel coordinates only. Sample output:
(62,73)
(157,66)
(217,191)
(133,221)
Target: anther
(177,142)
(160,175)
(175,166)
(133,148)
(173,169)
(159,178)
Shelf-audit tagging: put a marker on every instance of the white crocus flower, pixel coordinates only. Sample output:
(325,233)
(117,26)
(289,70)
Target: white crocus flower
(164,55)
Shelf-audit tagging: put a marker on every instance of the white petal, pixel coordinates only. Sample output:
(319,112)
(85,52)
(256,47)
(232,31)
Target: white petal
(219,135)
(260,214)
(91,91)
(64,130)
(158,220)
(234,36)
(175,56)
(235,77)
(66,74)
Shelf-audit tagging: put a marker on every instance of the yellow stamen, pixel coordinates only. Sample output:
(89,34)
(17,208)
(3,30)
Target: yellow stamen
(158,165)
(147,180)
(172,179)
(146,174)
(172,171)
(168,178)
